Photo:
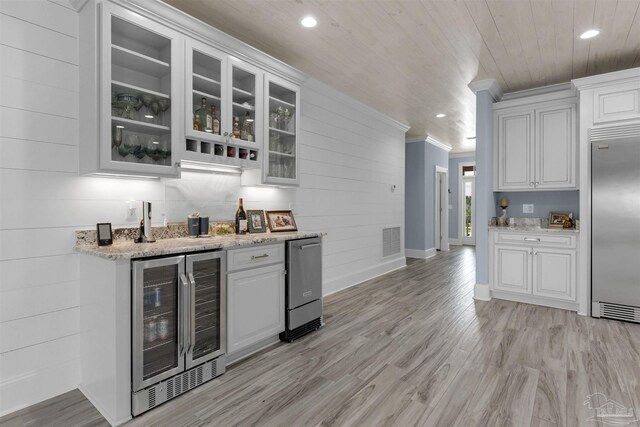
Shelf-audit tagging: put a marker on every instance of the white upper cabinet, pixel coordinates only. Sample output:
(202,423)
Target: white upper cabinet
(280,163)
(535,147)
(132,124)
(555,157)
(219,90)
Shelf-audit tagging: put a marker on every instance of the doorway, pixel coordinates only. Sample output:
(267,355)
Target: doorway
(467,203)
(441,231)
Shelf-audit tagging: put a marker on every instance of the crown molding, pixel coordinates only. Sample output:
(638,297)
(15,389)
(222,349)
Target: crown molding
(430,140)
(562,89)
(632,74)
(488,85)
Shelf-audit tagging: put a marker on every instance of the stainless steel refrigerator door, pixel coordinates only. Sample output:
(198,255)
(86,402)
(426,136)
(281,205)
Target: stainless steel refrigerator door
(304,282)
(157,327)
(615,253)
(206,298)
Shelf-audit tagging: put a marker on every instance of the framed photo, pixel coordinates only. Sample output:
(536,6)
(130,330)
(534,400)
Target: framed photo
(557,219)
(256,221)
(105,237)
(281,221)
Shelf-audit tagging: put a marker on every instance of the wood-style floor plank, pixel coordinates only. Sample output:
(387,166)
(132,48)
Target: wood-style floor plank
(410,348)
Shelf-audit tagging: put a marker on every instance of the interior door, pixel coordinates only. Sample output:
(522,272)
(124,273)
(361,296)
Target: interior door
(468,210)
(206,296)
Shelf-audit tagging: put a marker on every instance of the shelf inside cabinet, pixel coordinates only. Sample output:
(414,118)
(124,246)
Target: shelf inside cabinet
(282,154)
(244,106)
(241,95)
(284,132)
(135,61)
(275,102)
(199,95)
(135,126)
(122,87)
(197,76)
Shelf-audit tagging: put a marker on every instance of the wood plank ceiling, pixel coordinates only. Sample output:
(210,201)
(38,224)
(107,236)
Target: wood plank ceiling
(413,59)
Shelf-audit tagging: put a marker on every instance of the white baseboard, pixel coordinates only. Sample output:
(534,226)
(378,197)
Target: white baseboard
(106,414)
(455,242)
(531,299)
(348,280)
(417,253)
(482,292)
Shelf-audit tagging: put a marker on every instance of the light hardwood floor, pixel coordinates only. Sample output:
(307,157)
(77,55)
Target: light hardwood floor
(409,348)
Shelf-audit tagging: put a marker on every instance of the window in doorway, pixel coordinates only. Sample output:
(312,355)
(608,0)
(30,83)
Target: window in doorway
(469,170)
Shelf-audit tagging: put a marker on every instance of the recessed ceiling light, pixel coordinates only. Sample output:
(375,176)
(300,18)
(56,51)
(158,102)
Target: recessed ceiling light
(589,34)
(441,115)
(309,22)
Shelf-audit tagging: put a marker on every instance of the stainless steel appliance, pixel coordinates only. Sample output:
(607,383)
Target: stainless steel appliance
(179,328)
(303,292)
(615,228)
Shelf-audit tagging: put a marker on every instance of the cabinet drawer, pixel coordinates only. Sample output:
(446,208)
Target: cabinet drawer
(238,259)
(542,239)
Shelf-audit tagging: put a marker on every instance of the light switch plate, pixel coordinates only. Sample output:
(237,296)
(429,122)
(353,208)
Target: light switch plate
(527,208)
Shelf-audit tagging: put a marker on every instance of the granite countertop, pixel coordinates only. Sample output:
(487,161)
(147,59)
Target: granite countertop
(532,229)
(129,249)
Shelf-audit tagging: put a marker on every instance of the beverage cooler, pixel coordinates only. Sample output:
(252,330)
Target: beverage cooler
(178,326)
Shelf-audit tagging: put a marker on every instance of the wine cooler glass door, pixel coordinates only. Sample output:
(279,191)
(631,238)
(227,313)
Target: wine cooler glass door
(207,338)
(158,344)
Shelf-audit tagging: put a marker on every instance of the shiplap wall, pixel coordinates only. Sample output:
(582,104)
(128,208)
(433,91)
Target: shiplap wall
(349,156)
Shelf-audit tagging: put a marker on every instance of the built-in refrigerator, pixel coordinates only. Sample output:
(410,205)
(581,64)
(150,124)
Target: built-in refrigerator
(178,326)
(615,228)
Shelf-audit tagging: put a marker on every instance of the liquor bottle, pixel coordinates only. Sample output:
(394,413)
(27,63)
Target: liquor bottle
(204,117)
(247,128)
(236,127)
(241,220)
(216,120)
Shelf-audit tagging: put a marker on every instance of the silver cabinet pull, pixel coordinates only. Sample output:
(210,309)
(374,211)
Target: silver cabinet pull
(259,256)
(531,239)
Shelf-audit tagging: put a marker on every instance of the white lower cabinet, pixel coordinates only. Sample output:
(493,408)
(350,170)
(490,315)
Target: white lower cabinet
(513,269)
(533,268)
(255,299)
(554,273)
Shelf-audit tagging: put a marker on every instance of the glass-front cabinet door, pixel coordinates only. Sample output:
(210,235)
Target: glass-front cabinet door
(157,327)
(282,102)
(207,328)
(141,63)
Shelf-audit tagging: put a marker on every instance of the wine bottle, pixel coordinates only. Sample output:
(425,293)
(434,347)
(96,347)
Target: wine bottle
(241,220)
(247,128)
(236,127)
(216,120)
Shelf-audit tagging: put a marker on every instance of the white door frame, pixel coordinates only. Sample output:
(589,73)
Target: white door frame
(441,208)
(461,205)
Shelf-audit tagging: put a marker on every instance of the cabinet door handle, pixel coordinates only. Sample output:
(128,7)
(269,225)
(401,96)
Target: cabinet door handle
(531,239)
(531,184)
(259,256)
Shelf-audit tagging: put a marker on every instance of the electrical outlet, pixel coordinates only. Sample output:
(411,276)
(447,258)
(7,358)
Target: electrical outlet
(527,208)
(131,213)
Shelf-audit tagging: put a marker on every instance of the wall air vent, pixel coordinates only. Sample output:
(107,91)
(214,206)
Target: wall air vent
(391,241)
(620,312)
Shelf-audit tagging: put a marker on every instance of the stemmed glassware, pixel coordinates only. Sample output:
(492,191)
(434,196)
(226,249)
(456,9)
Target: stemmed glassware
(164,104)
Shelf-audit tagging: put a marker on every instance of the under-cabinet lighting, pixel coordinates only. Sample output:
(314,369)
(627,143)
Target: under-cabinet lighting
(206,167)
(122,176)
(589,34)
(441,115)
(309,22)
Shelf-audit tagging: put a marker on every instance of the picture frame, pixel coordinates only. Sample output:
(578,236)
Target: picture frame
(256,222)
(104,235)
(281,221)
(557,219)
